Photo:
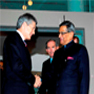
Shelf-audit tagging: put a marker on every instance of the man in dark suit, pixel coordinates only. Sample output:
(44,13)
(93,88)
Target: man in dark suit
(71,64)
(51,47)
(16,58)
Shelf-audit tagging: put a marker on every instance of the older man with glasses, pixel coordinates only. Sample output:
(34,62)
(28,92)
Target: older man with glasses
(70,71)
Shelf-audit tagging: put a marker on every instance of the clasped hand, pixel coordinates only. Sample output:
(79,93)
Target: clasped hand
(37,81)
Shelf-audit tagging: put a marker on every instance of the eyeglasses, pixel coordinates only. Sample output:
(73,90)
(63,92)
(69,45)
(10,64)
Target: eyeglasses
(62,33)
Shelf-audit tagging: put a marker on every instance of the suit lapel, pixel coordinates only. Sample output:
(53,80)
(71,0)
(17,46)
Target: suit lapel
(23,51)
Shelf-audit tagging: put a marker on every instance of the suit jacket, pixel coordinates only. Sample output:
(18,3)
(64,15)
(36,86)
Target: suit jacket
(71,70)
(46,77)
(17,66)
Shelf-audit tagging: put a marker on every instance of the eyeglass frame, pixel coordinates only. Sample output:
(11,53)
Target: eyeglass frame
(62,33)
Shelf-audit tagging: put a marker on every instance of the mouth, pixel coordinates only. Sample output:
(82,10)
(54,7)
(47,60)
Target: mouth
(51,52)
(61,39)
(31,35)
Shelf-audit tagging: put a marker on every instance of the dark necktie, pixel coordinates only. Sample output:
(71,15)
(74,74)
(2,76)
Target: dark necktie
(25,43)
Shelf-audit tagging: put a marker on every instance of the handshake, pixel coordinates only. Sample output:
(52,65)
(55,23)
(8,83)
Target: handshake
(37,81)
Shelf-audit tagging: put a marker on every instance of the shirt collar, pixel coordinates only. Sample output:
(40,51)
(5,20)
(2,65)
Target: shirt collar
(64,46)
(69,44)
(20,34)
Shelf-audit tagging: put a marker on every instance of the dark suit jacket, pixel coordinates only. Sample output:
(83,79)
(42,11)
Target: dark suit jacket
(17,66)
(71,70)
(46,68)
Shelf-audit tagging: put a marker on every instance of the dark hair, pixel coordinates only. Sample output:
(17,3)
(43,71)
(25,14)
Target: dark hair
(27,17)
(49,41)
(70,26)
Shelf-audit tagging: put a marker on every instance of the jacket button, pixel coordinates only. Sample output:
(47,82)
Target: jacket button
(65,60)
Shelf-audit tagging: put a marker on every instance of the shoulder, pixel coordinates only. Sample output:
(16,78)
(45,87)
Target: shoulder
(46,62)
(79,48)
(59,51)
(12,38)
(83,49)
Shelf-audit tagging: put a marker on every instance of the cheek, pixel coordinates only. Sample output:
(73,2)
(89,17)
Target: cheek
(54,49)
(27,31)
(47,51)
(65,38)
(32,31)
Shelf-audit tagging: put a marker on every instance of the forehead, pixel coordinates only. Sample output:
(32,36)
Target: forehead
(33,22)
(51,42)
(62,28)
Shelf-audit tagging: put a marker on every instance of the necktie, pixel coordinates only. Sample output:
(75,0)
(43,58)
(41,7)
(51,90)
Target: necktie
(51,60)
(64,46)
(25,43)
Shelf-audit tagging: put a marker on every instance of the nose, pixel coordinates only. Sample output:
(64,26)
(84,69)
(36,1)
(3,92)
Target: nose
(51,49)
(33,32)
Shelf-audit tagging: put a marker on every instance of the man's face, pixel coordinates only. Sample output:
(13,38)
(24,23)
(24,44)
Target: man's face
(64,35)
(29,30)
(51,48)
(76,40)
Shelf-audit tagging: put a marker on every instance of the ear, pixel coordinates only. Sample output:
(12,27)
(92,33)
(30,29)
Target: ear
(72,34)
(57,47)
(46,50)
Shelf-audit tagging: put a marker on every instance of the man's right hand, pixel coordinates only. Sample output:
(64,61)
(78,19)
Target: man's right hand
(37,81)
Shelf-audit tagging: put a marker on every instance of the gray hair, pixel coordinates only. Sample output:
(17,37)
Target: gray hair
(70,26)
(28,18)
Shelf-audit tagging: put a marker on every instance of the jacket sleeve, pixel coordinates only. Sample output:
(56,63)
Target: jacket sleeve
(42,89)
(12,58)
(83,61)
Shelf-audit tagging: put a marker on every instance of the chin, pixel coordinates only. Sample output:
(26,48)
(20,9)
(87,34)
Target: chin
(28,38)
(61,43)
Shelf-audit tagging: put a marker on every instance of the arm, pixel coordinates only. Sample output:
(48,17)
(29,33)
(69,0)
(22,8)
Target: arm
(42,89)
(17,67)
(84,71)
